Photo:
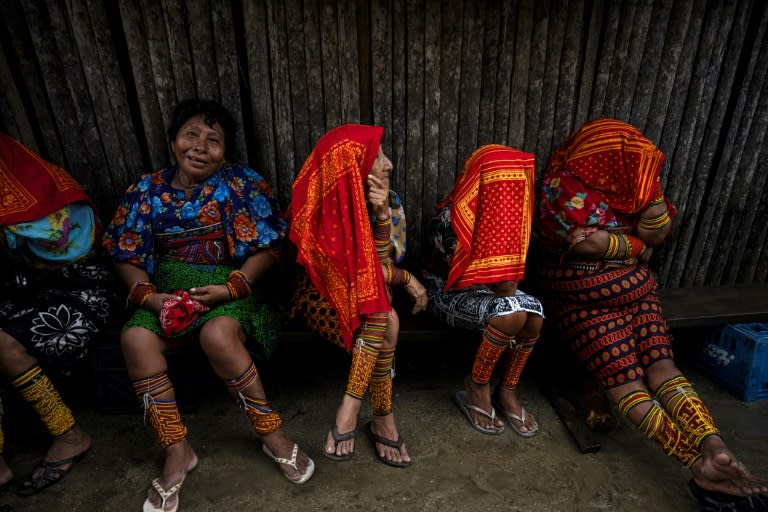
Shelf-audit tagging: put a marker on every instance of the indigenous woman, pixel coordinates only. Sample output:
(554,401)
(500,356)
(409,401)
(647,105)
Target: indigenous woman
(53,299)
(602,213)
(347,270)
(191,243)
(479,245)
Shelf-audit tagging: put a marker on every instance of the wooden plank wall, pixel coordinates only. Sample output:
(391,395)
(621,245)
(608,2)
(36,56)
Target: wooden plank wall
(91,84)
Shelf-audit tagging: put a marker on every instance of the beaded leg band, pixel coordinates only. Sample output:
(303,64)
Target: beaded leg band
(263,419)
(488,353)
(659,428)
(364,356)
(163,414)
(516,357)
(381,383)
(687,409)
(40,393)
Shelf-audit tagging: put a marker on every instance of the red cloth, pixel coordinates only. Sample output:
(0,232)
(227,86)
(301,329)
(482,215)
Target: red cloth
(30,187)
(491,214)
(178,314)
(331,228)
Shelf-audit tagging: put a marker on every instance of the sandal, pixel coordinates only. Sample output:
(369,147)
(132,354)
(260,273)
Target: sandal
(51,474)
(462,400)
(375,438)
(292,462)
(713,501)
(164,495)
(337,438)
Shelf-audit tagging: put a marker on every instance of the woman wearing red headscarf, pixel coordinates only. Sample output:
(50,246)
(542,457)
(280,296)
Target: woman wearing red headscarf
(602,213)
(479,246)
(54,297)
(347,270)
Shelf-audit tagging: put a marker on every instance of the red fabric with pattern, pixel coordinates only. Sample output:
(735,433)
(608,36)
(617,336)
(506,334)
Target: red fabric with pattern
(331,228)
(178,314)
(491,214)
(30,187)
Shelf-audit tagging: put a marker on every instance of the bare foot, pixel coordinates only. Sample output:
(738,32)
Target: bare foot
(384,426)
(480,396)
(719,470)
(180,459)
(346,421)
(6,475)
(281,446)
(511,405)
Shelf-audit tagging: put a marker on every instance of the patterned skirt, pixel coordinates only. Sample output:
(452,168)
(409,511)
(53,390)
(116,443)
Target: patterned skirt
(611,318)
(472,309)
(260,320)
(57,314)
(314,310)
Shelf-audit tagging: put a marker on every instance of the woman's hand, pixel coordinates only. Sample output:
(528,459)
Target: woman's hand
(210,295)
(378,196)
(418,293)
(156,300)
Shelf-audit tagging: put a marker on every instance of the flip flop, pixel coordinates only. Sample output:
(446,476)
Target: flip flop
(337,438)
(713,501)
(521,418)
(51,474)
(308,472)
(462,400)
(164,495)
(375,438)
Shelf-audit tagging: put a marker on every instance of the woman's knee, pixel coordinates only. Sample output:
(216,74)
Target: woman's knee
(532,327)
(509,324)
(221,332)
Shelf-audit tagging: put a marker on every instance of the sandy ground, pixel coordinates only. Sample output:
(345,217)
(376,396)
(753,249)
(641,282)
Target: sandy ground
(455,467)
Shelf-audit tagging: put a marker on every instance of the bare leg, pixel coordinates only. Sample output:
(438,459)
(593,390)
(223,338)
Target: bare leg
(222,339)
(143,353)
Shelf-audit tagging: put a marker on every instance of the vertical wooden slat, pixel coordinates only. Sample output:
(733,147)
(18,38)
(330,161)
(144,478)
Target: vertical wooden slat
(349,80)
(538,62)
(141,65)
(569,71)
(632,68)
(414,144)
(227,71)
(588,68)
(299,78)
(381,70)
(614,91)
(551,77)
(329,43)
(450,75)
(177,25)
(489,74)
(313,61)
(13,116)
(257,55)
(399,78)
(285,160)
(520,77)
(431,193)
(597,104)
(203,53)
(503,80)
(471,77)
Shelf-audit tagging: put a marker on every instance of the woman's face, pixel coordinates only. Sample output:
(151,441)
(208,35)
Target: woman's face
(382,165)
(199,148)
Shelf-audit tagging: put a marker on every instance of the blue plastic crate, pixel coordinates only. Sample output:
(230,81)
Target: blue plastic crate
(738,360)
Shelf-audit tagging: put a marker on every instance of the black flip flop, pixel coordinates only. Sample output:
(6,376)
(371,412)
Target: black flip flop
(51,474)
(387,442)
(337,438)
(713,501)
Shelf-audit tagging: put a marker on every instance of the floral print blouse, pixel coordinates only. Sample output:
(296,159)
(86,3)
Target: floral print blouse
(235,197)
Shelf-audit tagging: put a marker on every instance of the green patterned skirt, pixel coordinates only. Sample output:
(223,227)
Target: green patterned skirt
(260,320)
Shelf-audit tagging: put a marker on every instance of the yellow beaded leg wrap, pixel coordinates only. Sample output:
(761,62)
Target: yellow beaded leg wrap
(516,357)
(488,353)
(263,419)
(687,409)
(659,428)
(381,383)
(163,414)
(364,356)
(38,390)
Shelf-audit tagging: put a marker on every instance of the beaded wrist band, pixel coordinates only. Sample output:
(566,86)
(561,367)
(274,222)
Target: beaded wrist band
(238,284)
(140,292)
(656,222)
(634,246)
(612,251)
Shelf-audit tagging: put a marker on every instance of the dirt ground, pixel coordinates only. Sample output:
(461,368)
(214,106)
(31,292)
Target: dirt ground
(455,468)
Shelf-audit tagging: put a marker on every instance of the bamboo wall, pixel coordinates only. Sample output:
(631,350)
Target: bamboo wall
(91,85)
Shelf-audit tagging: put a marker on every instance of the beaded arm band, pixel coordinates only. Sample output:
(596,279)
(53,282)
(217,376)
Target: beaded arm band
(238,284)
(633,247)
(394,276)
(656,222)
(381,229)
(140,292)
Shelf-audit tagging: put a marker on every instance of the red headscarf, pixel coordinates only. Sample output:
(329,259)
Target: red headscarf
(491,214)
(30,187)
(331,228)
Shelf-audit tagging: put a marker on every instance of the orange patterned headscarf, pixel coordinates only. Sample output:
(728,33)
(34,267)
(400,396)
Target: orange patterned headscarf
(331,228)
(30,187)
(615,159)
(491,214)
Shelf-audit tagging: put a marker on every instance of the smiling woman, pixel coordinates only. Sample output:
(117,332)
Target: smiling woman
(191,243)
